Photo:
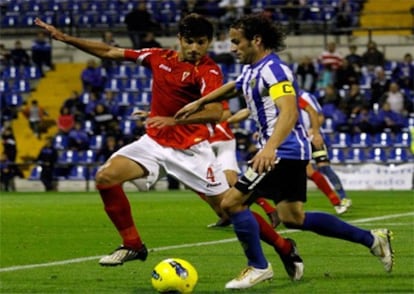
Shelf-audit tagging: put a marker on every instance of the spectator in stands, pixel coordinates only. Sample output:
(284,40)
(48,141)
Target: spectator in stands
(75,106)
(47,159)
(35,115)
(42,52)
(397,100)
(372,57)
(354,100)
(331,57)
(4,57)
(222,49)
(139,21)
(345,75)
(7,173)
(93,79)
(306,74)
(104,122)
(108,65)
(149,41)
(107,149)
(340,121)
(343,17)
(379,85)
(234,9)
(7,112)
(354,58)
(65,120)
(78,138)
(365,121)
(404,73)
(109,101)
(330,96)
(19,55)
(139,130)
(210,9)
(293,9)
(390,120)
(9,143)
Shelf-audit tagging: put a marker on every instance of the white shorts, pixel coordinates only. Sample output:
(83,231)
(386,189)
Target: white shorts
(226,154)
(196,167)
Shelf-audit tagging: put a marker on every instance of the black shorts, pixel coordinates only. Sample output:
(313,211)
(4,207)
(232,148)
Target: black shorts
(320,155)
(287,181)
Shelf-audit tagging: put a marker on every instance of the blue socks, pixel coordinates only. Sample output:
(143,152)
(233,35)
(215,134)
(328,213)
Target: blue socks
(247,231)
(331,226)
(334,179)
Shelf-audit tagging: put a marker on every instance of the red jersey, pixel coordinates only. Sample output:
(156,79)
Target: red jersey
(222,131)
(175,84)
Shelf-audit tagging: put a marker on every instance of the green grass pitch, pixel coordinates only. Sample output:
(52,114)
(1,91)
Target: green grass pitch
(51,243)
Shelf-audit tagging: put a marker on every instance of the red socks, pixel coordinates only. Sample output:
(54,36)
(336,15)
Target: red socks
(118,209)
(271,237)
(325,187)
(267,207)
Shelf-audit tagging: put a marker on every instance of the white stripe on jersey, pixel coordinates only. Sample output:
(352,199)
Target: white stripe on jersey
(313,102)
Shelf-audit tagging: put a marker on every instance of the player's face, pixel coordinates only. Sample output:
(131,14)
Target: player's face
(243,49)
(193,49)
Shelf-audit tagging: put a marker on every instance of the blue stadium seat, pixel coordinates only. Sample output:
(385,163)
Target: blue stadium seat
(87,156)
(402,139)
(143,99)
(121,71)
(125,98)
(31,72)
(60,142)
(341,140)
(78,173)
(68,157)
(14,99)
(361,140)
(133,85)
(11,20)
(377,155)
(96,142)
(127,126)
(398,155)
(88,126)
(383,139)
(11,73)
(86,19)
(336,155)
(4,86)
(22,86)
(115,85)
(141,72)
(35,173)
(355,155)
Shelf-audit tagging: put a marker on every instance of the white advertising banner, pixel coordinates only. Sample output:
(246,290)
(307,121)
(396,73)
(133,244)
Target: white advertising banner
(376,176)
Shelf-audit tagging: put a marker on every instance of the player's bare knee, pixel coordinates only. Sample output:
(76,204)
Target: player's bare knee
(104,177)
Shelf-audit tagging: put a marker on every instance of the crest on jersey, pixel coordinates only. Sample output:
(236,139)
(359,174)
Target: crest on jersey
(185,75)
(252,83)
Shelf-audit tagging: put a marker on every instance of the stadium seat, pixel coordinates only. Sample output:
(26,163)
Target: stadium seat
(14,99)
(127,126)
(341,140)
(355,155)
(87,156)
(141,72)
(398,155)
(327,126)
(133,85)
(60,142)
(121,71)
(96,142)
(88,126)
(402,139)
(11,73)
(68,157)
(78,173)
(377,155)
(22,86)
(143,99)
(383,139)
(35,173)
(10,20)
(336,155)
(4,86)
(125,98)
(31,72)
(115,85)
(361,140)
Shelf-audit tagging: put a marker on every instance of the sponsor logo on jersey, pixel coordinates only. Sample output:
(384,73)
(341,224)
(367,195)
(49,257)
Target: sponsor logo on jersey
(185,75)
(215,72)
(165,67)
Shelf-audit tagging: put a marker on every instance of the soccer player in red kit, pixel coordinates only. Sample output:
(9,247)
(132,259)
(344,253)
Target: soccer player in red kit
(180,149)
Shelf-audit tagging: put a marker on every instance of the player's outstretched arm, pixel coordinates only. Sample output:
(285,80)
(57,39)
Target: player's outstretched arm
(98,49)
(225,92)
(239,116)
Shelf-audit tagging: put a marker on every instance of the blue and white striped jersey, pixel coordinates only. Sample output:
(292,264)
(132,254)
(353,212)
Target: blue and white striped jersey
(313,102)
(255,82)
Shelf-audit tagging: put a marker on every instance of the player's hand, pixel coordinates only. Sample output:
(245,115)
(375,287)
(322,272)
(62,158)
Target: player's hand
(317,140)
(264,160)
(54,32)
(188,110)
(160,121)
(140,113)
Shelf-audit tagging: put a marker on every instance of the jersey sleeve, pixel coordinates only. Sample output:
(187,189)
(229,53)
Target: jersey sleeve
(302,103)
(139,56)
(210,80)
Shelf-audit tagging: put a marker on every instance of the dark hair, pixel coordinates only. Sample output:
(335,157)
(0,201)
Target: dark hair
(195,25)
(272,33)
